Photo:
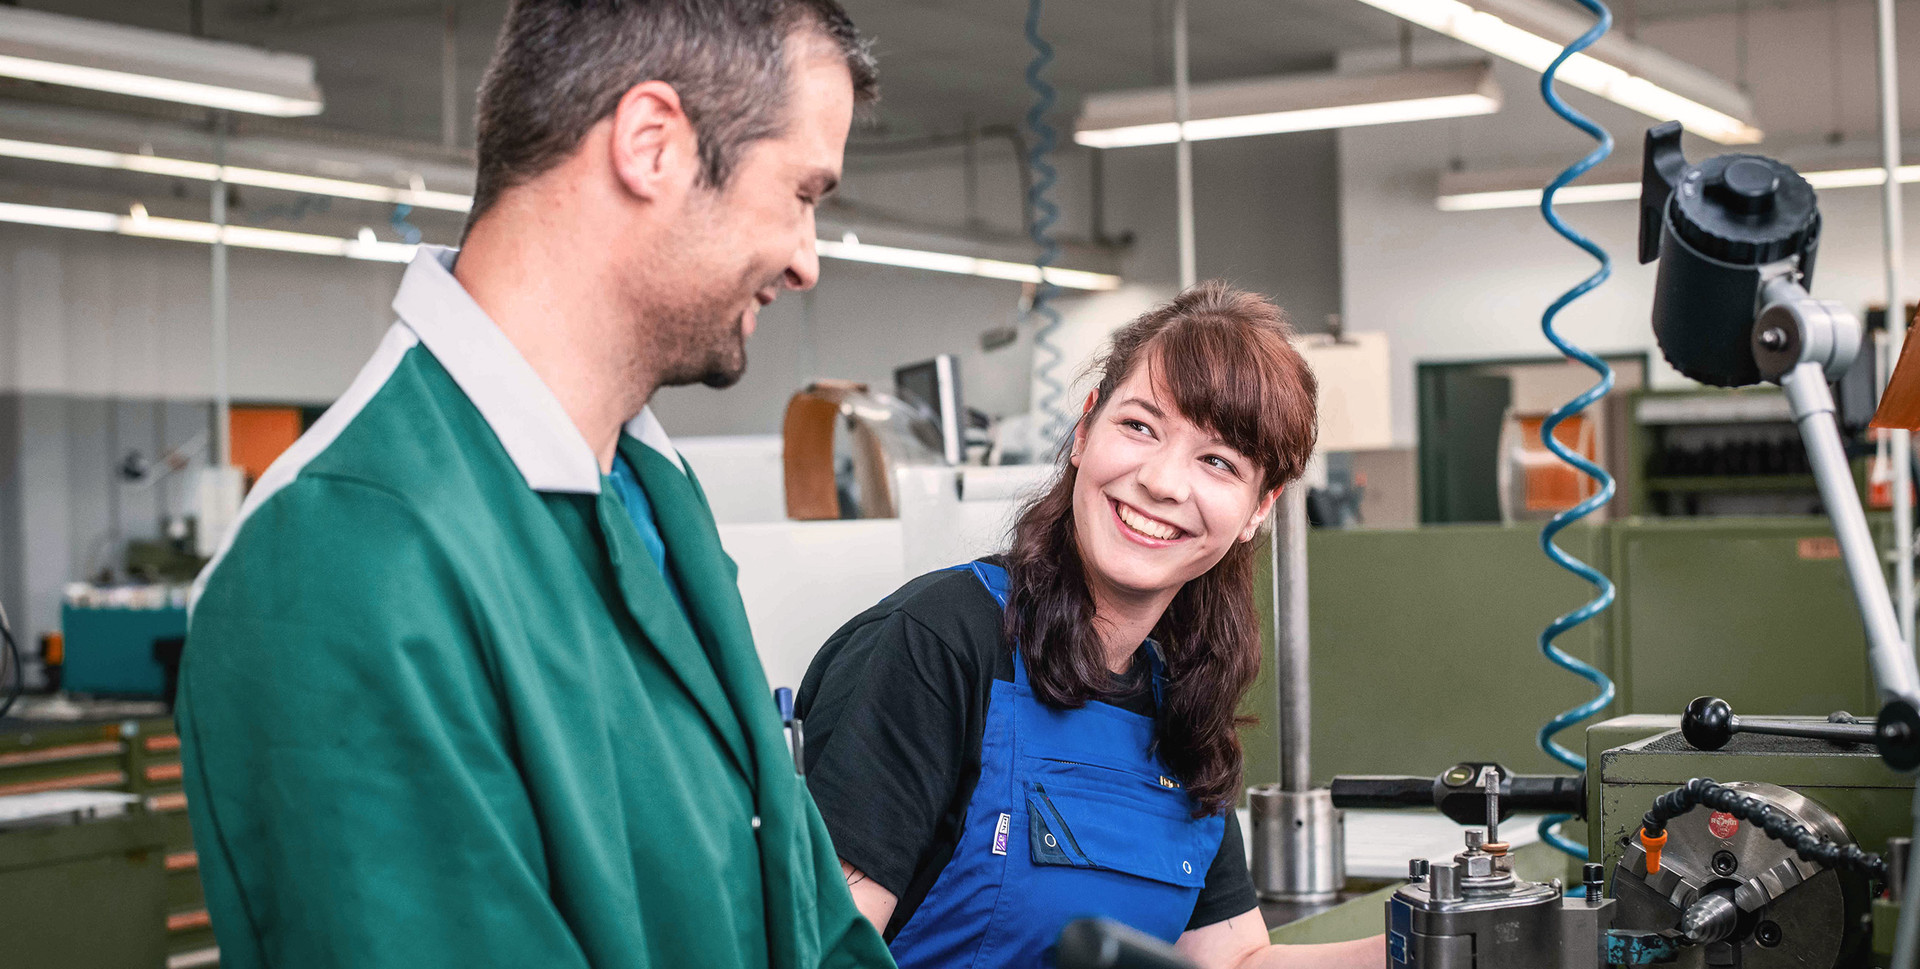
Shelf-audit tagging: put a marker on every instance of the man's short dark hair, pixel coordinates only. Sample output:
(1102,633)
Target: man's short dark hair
(560,66)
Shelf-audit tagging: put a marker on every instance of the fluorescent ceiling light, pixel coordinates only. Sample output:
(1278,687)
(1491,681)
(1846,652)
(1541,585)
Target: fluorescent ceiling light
(854,250)
(139,224)
(365,246)
(75,52)
(1465,201)
(254,177)
(1532,33)
(1234,109)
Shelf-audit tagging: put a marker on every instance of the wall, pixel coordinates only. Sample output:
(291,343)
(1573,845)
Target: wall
(1465,285)
(1266,216)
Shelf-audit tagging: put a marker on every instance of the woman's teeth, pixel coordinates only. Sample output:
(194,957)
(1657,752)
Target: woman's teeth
(1147,526)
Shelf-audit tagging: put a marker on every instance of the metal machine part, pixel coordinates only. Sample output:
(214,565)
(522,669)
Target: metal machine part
(1299,844)
(1724,885)
(1736,236)
(1299,840)
(1709,722)
(1474,913)
(1457,792)
(1713,226)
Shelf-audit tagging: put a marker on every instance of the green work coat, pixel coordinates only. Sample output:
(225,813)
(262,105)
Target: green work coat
(439,708)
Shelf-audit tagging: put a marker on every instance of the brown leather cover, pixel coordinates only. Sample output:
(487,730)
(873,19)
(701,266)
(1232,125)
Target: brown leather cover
(1900,402)
(806,449)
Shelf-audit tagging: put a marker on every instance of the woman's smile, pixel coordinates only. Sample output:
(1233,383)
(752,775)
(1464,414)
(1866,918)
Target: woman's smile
(1144,528)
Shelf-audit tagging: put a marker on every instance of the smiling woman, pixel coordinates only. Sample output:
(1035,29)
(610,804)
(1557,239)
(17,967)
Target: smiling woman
(1012,743)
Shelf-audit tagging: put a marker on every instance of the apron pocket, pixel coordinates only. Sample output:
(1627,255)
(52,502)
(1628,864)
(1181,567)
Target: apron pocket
(1119,830)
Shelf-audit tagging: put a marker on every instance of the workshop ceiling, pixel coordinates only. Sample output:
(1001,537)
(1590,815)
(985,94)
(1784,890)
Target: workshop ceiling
(379,61)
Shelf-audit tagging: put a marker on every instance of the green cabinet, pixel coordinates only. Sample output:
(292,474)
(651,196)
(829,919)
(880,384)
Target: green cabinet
(1425,641)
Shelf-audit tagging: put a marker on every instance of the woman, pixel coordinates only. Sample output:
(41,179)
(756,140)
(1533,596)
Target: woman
(1007,745)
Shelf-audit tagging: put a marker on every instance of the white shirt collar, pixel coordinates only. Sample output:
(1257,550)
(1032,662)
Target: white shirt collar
(520,408)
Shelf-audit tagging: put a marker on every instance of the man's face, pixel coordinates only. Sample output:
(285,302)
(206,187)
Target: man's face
(748,240)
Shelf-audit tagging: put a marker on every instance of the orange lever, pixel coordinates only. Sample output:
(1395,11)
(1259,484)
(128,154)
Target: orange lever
(1653,844)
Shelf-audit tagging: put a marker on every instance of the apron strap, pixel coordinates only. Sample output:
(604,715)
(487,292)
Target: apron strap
(1157,673)
(994,578)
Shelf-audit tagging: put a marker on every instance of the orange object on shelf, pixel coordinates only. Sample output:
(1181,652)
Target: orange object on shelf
(1553,484)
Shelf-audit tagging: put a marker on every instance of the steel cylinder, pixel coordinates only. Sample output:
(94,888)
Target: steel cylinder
(1299,844)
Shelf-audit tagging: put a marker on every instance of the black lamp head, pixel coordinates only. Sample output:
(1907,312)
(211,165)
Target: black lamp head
(1714,227)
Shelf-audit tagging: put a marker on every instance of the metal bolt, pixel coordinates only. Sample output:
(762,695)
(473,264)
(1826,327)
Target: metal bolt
(1767,934)
(1773,338)
(1475,838)
(1724,863)
(1480,866)
(1417,870)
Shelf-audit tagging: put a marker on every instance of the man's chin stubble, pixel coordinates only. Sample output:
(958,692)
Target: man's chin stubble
(721,379)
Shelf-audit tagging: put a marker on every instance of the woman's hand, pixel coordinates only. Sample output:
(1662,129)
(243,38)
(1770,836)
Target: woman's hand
(1241,943)
(874,902)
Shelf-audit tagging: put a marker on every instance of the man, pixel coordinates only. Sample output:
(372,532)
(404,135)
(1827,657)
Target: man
(472,684)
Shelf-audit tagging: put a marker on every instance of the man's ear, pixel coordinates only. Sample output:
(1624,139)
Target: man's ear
(653,147)
(1260,515)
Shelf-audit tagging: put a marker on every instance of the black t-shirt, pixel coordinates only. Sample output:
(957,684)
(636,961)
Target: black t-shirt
(895,706)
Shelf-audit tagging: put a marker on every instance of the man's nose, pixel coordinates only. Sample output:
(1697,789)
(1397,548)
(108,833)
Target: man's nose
(804,271)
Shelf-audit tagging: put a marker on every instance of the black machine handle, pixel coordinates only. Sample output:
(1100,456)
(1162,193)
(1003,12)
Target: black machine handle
(1106,944)
(1456,793)
(1710,723)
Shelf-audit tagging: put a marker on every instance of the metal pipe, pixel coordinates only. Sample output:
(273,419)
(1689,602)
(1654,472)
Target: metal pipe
(970,170)
(222,397)
(1182,148)
(1290,665)
(1892,231)
(1906,940)
(1812,405)
(450,78)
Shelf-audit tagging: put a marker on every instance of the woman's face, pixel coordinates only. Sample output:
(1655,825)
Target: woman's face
(1158,500)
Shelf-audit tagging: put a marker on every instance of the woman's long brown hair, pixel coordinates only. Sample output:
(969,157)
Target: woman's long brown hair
(1225,358)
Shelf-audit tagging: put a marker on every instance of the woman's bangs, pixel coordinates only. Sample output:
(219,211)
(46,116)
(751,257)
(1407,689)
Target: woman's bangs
(1222,375)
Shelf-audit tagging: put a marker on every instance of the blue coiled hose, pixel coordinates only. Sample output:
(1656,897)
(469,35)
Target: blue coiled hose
(409,233)
(1047,356)
(1604,598)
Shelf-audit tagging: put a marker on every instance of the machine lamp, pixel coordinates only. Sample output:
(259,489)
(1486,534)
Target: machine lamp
(1264,106)
(75,52)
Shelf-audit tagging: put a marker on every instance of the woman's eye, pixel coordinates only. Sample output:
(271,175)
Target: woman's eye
(1222,463)
(1134,425)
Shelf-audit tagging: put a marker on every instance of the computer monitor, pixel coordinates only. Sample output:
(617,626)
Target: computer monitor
(932,387)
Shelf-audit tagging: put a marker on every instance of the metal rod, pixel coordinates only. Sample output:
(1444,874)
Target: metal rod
(1182,148)
(1843,733)
(450,78)
(1812,404)
(222,396)
(1906,940)
(1290,666)
(970,170)
(1892,226)
(1490,779)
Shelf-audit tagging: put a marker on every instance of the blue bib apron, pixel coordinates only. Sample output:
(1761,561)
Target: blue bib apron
(1074,815)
